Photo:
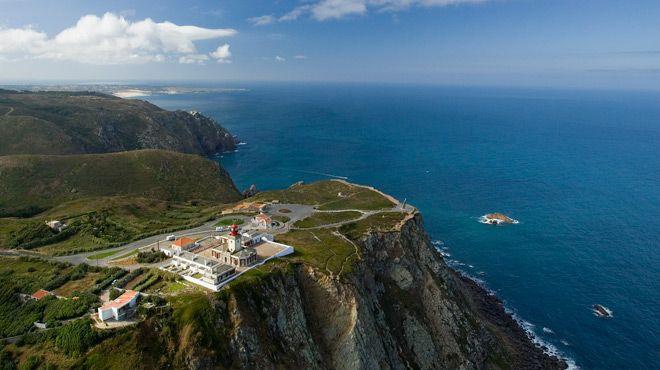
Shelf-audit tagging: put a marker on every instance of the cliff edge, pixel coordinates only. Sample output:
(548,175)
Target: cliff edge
(399,307)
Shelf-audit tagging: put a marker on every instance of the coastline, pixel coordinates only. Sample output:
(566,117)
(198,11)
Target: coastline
(488,302)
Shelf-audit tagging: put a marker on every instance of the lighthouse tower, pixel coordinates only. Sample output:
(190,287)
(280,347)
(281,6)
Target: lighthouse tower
(234,240)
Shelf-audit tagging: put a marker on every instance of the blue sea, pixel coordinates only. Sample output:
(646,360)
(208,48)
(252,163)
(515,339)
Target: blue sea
(580,170)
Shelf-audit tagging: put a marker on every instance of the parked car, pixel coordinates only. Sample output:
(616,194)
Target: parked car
(220,228)
(170,238)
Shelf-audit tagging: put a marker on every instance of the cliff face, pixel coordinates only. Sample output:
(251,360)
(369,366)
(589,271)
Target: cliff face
(401,307)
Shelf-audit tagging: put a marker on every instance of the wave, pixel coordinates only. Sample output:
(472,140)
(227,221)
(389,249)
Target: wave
(320,173)
(528,327)
(547,347)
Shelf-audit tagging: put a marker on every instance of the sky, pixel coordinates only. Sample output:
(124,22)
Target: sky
(554,43)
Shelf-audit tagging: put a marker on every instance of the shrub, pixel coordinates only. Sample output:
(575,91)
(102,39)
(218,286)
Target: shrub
(76,337)
(150,256)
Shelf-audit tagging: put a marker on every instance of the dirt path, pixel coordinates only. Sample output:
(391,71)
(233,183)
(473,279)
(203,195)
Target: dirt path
(11,109)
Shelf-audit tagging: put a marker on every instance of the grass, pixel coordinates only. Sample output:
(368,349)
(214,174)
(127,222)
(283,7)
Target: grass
(31,275)
(325,218)
(103,255)
(230,221)
(38,182)
(326,195)
(320,248)
(79,285)
(111,221)
(380,222)
(126,255)
(281,218)
(174,287)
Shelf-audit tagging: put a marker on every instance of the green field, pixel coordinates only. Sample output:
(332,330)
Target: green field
(230,221)
(32,184)
(321,249)
(103,255)
(326,195)
(104,222)
(325,218)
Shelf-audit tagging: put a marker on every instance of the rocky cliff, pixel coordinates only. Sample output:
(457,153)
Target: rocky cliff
(400,307)
(89,122)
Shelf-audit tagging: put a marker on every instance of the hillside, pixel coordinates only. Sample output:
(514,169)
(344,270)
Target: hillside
(89,122)
(32,183)
(371,294)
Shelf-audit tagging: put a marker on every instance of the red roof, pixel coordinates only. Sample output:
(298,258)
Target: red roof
(183,242)
(40,294)
(120,301)
(262,217)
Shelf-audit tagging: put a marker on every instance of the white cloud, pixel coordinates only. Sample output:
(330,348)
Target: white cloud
(279,59)
(295,13)
(263,20)
(300,57)
(334,9)
(193,59)
(110,39)
(323,10)
(222,54)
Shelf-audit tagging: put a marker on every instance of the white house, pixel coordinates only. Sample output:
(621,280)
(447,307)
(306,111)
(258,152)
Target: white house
(263,221)
(120,307)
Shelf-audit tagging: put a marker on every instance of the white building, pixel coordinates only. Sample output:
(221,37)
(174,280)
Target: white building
(211,271)
(232,251)
(254,237)
(120,307)
(56,225)
(180,245)
(263,221)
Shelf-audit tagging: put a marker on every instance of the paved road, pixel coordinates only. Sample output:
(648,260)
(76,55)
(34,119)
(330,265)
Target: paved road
(297,212)
(82,257)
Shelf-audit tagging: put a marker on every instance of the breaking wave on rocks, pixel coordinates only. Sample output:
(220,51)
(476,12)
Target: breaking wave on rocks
(527,326)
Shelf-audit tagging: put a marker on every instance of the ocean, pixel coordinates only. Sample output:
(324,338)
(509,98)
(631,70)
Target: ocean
(579,170)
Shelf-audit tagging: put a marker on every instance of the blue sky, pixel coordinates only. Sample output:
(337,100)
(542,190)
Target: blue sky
(558,43)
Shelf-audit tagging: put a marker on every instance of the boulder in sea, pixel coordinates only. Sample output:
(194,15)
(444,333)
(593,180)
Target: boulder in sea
(497,219)
(251,191)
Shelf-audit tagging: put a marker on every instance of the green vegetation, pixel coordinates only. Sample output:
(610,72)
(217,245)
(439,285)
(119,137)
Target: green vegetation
(129,254)
(195,313)
(281,218)
(42,182)
(62,309)
(324,249)
(325,218)
(24,276)
(76,337)
(88,122)
(379,222)
(154,279)
(328,195)
(150,256)
(103,255)
(121,283)
(98,223)
(230,221)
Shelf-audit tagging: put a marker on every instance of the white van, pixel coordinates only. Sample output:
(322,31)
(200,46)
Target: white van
(170,238)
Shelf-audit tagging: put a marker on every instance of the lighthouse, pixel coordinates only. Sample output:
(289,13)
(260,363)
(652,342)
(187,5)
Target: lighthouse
(234,240)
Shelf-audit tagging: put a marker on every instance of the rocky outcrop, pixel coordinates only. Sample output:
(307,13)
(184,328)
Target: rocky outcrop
(88,122)
(400,307)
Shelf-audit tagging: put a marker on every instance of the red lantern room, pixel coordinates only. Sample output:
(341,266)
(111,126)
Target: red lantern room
(234,230)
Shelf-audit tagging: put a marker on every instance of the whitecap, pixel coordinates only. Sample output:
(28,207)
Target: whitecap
(548,330)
